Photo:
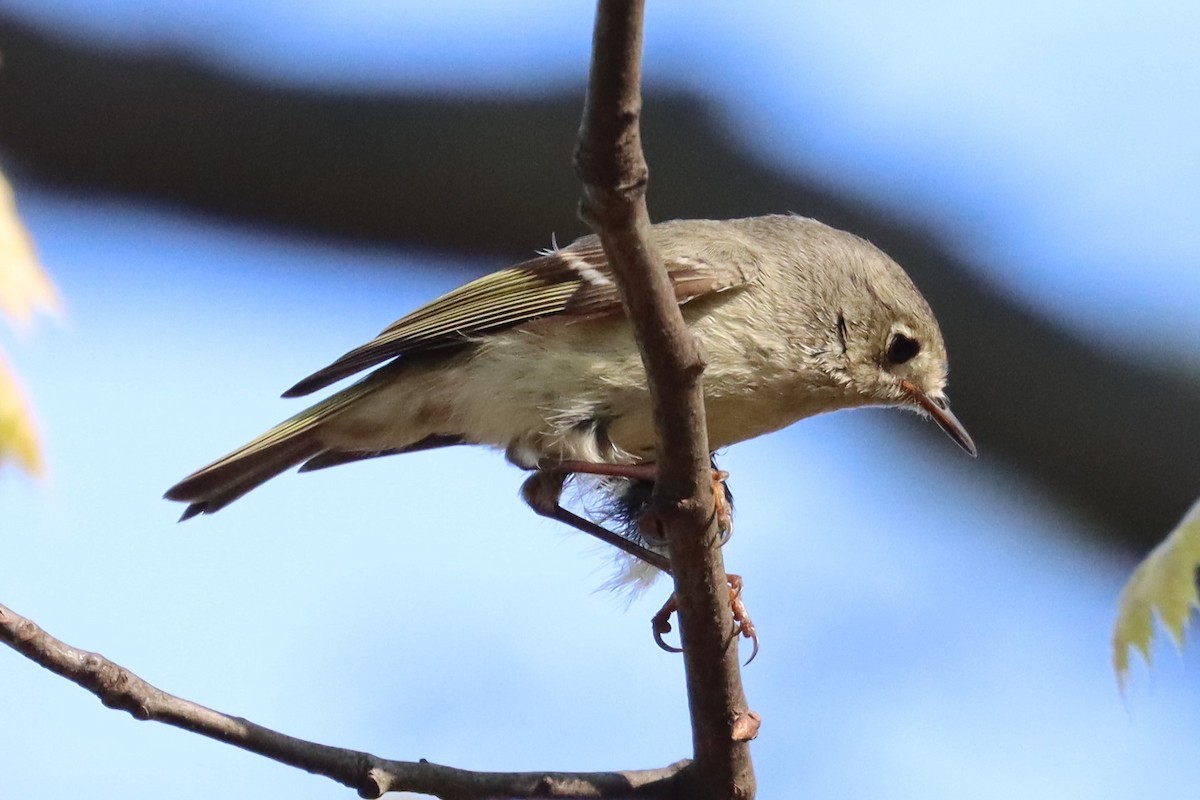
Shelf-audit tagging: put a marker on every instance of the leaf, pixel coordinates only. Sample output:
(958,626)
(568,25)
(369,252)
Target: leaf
(24,287)
(24,291)
(18,439)
(1163,585)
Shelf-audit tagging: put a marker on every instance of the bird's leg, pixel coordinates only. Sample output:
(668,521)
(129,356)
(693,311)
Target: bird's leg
(541,491)
(646,471)
(722,497)
(660,623)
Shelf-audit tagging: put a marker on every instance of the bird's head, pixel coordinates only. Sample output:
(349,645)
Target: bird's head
(891,348)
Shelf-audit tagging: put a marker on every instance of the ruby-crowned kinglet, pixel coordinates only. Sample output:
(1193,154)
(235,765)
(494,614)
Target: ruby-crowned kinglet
(794,317)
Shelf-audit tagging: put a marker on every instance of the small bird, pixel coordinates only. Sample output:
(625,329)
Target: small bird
(794,317)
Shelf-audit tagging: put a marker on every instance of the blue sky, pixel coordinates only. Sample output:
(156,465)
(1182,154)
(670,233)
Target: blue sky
(932,626)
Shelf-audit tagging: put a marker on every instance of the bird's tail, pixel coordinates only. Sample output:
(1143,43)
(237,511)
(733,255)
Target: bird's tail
(294,441)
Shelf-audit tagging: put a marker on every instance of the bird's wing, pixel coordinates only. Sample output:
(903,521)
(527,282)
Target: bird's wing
(575,281)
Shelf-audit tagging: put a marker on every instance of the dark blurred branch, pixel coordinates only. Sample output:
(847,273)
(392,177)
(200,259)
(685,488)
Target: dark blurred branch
(610,162)
(120,689)
(1098,427)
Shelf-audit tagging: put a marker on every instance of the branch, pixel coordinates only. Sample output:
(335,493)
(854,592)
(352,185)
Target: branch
(370,775)
(612,167)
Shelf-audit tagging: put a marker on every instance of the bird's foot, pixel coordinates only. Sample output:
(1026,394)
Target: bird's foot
(660,623)
(722,497)
(722,504)
(743,626)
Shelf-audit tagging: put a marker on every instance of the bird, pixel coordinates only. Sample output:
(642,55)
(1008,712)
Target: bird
(794,317)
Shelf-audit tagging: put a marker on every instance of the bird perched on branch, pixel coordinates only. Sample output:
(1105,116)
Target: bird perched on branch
(795,318)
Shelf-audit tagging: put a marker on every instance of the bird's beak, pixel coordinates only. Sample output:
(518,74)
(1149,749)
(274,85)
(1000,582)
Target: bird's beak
(939,408)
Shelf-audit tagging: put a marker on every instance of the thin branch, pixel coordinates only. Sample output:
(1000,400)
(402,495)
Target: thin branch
(369,775)
(612,167)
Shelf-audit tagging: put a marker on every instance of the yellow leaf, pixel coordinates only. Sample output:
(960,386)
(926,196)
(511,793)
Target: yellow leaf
(18,440)
(24,288)
(1163,585)
(24,291)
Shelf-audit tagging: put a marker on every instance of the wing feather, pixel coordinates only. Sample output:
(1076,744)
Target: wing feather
(575,281)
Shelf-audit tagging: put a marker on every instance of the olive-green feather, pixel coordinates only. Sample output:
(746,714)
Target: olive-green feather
(289,443)
(575,281)
(494,302)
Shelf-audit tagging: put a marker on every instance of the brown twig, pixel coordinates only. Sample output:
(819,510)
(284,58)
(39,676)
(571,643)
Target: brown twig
(612,167)
(370,775)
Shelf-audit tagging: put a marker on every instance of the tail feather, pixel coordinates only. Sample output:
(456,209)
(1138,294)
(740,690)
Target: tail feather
(334,458)
(289,443)
(213,488)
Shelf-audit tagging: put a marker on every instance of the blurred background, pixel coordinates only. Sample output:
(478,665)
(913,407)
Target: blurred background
(230,195)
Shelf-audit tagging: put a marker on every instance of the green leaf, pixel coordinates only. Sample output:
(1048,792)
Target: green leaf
(1163,585)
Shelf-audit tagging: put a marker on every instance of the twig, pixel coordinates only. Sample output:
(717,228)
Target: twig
(370,775)
(612,167)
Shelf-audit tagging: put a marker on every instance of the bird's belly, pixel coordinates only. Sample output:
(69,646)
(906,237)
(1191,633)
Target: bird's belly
(731,418)
(580,396)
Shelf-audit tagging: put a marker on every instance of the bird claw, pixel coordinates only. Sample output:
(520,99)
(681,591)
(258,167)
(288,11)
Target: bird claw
(722,506)
(660,623)
(542,490)
(742,624)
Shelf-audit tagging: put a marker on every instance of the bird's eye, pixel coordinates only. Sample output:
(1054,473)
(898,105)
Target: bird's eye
(902,348)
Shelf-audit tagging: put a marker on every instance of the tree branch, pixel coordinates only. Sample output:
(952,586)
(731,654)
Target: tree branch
(612,167)
(370,775)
